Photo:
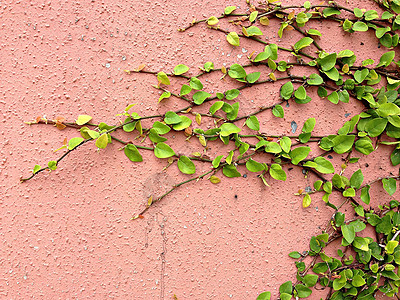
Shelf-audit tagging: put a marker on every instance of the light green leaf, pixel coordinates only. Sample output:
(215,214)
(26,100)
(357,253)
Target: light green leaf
(200,96)
(314,32)
(303,291)
(185,165)
(229,9)
(164,95)
(216,106)
(357,179)
(102,141)
(350,192)
(278,111)
(74,142)
(315,79)
(172,118)
(364,145)
(233,39)
(230,171)
(232,94)
(52,165)
(348,232)
(365,197)
(132,153)
(330,11)
(253,123)
(180,69)
(328,62)
(343,143)
(195,83)
(36,169)
(306,200)
(262,56)
(304,42)
(277,173)
(163,150)
(83,119)
(163,78)
(236,71)
(254,166)
(285,143)
(185,89)
(389,184)
(252,31)
(360,26)
(253,77)
(287,90)
(298,154)
(229,128)
(264,296)
(324,166)
(161,128)
(183,124)
(212,21)
(386,59)
(215,163)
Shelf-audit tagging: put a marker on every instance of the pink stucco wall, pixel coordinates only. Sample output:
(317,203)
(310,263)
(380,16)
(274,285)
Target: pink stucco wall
(68,234)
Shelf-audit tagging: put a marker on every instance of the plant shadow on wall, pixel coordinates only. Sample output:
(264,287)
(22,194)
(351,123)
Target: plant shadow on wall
(368,256)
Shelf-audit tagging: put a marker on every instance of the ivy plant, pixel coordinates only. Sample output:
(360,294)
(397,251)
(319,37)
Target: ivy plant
(363,264)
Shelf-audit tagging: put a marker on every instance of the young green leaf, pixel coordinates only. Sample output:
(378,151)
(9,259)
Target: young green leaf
(306,200)
(229,9)
(278,111)
(163,78)
(163,150)
(36,169)
(132,153)
(212,21)
(74,142)
(185,165)
(52,165)
(164,95)
(304,42)
(287,90)
(195,83)
(254,166)
(200,96)
(185,89)
(102,141)
(233,39)
(253,123)
(180,69)
(389,184)
(83,119)
(230,171)
(236,71)
(298,154)
(228,128)
(277,173)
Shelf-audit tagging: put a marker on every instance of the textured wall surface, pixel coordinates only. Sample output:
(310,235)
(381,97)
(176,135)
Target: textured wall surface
(68,234)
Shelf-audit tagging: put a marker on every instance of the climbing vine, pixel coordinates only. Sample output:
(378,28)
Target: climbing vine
(363,263)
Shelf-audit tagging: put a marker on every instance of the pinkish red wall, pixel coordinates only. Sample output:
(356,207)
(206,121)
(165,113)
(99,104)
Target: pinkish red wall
(68,234)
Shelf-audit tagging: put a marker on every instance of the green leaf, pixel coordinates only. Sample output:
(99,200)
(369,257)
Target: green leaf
(229,128)
(195,83)
(185,165)
(315,79)
(172,118)
(314,32)
(364,145)
(208,66)
(233,39)
(74,142)
(236,71)
(285,144)
(252,31)
(83,119)
(212,21)
(348,232)
(164,95)
(386,59)
(253,16)
(277,173)
(278,111)
(300,93)
(389,184)
(232,94)
(52,165)
(334,97)
(333,74)
(360,26)
(356,179)
(229,9)
(318,185)
(365,197)
(102,141)
(254,166)
(376,126)
(215,163)
(200,96)
(36,169)
(350,192)
(155,137)
(163,150)
(229,157)
(298,154)
(185,89)
(328,62)
(395,157)
(264,296)
(161,128)
(323,166)
(358,12)
(230,171)
(286,288)
(180,69)
(330,11)
(343,143)
(273,147)
(287,90)
(262,56)
(253,123)
(304,42)
(183,124)
(163,78)
(388,109)
(306,200)
(132,153)
(253,77)
(309,125)
(371,15)
(216,106)
(295,254)
(302,291)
